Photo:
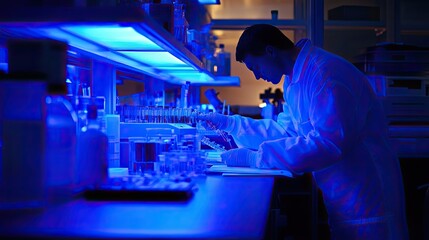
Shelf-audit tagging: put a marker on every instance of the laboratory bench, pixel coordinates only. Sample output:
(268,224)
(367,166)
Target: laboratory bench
(232,207)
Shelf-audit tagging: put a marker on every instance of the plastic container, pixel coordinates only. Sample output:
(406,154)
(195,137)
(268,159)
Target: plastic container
(61,147)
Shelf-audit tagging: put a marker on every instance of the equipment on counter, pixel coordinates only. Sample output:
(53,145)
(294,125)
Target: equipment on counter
(276,101)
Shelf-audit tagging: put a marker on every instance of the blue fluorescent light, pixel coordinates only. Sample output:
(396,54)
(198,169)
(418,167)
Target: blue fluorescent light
(114,37)
(178,69)
(156,59)
(194,77)
(130,47)
(93,47)
(209,1)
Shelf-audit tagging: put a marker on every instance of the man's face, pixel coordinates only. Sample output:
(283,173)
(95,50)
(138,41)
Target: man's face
(266,67)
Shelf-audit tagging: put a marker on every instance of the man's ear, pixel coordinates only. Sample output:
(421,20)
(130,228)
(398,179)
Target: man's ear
(270,50)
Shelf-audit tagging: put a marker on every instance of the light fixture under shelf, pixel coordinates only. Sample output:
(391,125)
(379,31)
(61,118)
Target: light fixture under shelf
(208,2)
(125,36)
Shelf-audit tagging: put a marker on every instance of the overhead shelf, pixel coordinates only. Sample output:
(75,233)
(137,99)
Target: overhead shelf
(124,35)
(240,24)
(291,24)
(354,25)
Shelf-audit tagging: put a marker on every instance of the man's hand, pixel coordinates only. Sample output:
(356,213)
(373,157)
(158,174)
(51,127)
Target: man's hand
(240,157)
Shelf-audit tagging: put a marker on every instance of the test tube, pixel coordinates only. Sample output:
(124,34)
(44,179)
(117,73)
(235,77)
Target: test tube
(150,115)
(212,144)
(155,115)
(162,171)
(146,114)
(183,163)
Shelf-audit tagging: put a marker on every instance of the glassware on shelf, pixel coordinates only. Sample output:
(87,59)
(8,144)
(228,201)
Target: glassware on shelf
(181,25)
(223,59)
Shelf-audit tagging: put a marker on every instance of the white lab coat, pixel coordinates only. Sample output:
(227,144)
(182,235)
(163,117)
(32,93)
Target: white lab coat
(334,127)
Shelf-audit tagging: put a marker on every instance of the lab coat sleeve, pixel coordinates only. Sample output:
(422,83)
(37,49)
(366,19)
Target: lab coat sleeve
(332,115)
(250,133)
(285,120)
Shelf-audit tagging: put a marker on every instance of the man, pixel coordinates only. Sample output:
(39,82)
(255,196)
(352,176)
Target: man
(332,126)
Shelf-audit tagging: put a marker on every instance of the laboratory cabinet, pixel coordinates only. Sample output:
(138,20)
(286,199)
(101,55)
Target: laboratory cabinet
(347,21)
(351,26)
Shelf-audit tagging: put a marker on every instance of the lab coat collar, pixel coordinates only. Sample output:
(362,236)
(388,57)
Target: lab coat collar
(305,45)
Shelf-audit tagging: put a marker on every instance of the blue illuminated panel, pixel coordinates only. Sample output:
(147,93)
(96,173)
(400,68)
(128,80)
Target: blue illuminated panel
(209,1)
(126,45)
(157,59)
(114,37)
(178,69)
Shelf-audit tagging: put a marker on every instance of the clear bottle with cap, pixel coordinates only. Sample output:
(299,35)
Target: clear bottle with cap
(61,147)
(92,161)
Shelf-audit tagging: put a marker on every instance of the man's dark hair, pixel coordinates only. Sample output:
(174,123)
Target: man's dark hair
(257,37)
